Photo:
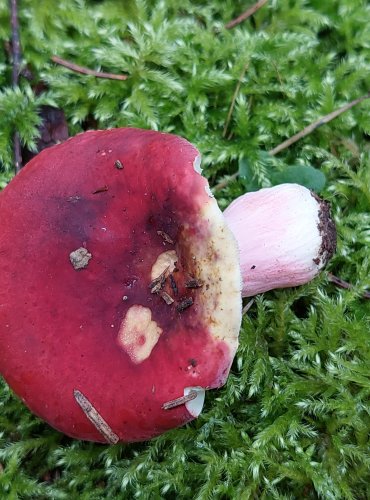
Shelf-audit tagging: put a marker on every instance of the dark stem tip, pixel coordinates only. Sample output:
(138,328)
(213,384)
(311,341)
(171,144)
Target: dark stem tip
(327,231)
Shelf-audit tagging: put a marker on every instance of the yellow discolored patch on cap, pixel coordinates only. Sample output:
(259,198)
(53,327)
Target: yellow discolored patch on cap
(138,333)
(216,265)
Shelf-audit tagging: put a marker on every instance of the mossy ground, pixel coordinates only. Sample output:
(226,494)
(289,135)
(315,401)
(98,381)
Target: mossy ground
(293,420)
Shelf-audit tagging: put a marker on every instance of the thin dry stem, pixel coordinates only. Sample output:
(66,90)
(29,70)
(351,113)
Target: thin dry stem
(248,13)
(16,44)
(16,56)
(277,72)
(232,105)
(180,401)
(344,284)
(17,152)
(303,133)
(316,124)
(95,418)
(87,71)
(225,182)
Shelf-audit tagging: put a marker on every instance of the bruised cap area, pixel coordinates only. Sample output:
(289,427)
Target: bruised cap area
(120,283)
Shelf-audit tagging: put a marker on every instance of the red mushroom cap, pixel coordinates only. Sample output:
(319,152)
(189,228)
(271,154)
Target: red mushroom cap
(119,285)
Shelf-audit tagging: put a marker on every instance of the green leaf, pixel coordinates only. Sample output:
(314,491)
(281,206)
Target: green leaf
(248,175)
(306,176)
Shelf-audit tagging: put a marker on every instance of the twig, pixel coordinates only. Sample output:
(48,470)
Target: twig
(344,284)
(17,152)
(16,56)
(225,182)
(313,126)
(232,105)
(248,13)
(180,401)
(95,418)
(16,45)
(87,71)
(277,72)
(303,133)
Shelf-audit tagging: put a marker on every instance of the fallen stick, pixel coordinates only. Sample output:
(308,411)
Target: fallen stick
(344,284)
(233,100)
(87,71)
(248,13)
(300,135)
(16,56)
(316,124)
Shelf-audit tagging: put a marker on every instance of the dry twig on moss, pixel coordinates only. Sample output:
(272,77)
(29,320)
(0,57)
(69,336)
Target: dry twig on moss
(248,13)
(316,124)
(300,135)
(345,285)
(87,71)
(16,55)
(233,100)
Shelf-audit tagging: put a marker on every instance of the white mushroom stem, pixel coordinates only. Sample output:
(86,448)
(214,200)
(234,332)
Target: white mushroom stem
(285,236)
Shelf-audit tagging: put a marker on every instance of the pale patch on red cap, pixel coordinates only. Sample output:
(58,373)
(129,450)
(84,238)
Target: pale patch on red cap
(138,333)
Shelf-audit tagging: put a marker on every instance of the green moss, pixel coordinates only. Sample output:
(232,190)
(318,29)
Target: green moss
(293,419)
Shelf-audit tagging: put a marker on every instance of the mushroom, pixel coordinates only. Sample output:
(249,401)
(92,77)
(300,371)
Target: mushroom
(285,236)
(120,285)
